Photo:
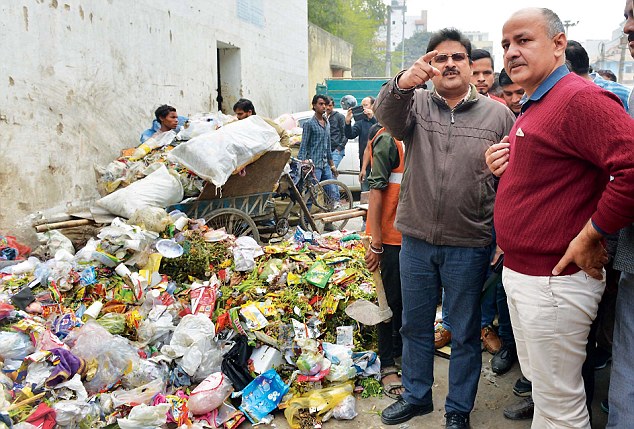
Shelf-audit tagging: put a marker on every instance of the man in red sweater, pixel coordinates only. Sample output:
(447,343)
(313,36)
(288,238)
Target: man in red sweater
(555,202)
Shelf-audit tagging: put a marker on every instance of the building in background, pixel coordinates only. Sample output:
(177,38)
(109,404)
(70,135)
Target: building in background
(328,56)
(612,55)
(84,78)
(401,25)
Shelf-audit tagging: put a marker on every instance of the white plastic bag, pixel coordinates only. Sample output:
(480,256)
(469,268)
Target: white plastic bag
(215,156)
(138,396)
(245,252)
(159,189)
(210,394)
(346,409)
(190,342)
(145,417)
(195,128)
(54,240)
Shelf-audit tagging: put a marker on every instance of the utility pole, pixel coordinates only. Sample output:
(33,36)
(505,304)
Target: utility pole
(388,44)
(622,57)
(568,23)
(403,41)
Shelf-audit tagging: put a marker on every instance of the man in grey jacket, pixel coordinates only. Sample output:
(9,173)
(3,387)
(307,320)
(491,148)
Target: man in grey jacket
(445,214)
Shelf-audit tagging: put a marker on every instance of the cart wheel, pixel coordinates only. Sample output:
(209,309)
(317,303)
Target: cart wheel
(234,221)
(281,227)
(320,200)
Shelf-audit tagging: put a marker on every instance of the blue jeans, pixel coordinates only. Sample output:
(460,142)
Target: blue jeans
(337,156)
(325,174)
(621,394)
(461,271)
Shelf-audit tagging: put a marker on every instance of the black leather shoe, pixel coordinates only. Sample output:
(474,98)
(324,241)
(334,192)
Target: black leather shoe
(523,387)
(401,411)
(503,360)
(523,410)
(454,420)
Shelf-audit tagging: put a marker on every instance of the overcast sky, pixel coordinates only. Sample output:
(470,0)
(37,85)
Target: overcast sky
(596,19)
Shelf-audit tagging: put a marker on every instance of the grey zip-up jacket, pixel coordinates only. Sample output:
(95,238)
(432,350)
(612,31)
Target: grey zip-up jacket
(447,190)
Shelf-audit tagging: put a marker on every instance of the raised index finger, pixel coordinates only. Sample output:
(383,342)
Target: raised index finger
(428,56)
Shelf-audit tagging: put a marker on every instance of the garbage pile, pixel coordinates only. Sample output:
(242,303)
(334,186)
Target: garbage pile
(161,321)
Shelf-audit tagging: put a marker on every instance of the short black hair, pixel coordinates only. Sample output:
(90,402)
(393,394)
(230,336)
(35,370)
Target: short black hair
(607,74)
(504,79)
(163,111)
(244,105)
(316,98)
(479,54)
(374,129)
(330,100)
(451,34)
(577,58)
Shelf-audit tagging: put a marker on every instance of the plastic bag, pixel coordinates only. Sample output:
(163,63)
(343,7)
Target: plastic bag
(14,347)
(54,240)
(140,395)
(151,219)
(159,189)
(346,410)
(190,342)
(145,417)
(234,363)
(263,395)
(113,322)
(157,324)
(194,128)
(215,156)
(144,372)
(245,252)
(209,394)
(319,401)
(74,413)
(115,355)
(342,368)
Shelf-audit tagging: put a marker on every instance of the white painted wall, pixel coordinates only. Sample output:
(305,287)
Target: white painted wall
(80,79)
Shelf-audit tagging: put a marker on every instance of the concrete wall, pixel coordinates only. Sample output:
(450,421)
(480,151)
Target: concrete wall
(328,56)
(80,80)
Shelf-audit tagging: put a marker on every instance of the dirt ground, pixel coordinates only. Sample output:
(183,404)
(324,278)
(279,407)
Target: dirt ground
(494,393)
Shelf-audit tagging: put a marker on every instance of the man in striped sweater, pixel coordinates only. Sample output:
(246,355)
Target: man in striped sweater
(554,205)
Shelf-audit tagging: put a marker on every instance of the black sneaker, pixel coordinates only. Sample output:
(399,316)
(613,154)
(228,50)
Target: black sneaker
(522,410)
(454,420)
(401,411)
(503,360)
(523,387)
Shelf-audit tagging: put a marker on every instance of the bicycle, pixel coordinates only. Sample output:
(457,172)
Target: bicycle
(318,198)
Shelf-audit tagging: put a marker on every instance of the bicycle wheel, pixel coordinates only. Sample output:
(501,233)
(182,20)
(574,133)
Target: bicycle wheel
(235,222)
(328,196)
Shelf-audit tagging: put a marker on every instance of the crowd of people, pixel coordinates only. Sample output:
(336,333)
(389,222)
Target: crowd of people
(542,175)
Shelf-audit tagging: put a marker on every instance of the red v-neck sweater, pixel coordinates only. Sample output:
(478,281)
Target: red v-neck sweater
(563,150)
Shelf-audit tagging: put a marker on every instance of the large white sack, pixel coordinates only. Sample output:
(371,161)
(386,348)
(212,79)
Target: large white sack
(215,156)
(158,189)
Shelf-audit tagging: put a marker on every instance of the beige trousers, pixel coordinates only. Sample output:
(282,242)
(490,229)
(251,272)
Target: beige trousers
(551,318)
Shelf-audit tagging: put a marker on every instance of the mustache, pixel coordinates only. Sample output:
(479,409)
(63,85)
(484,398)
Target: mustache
(450,70)
(512,64)
(630,37)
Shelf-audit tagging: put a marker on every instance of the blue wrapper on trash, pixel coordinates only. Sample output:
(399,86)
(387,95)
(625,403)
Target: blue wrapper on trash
(263,395)
(88,276)
(302,236)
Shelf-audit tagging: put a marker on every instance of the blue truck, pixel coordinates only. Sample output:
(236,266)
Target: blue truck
(359,87)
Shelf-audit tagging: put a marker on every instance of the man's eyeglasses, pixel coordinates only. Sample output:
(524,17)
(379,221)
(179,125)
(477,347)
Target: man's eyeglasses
(456,56)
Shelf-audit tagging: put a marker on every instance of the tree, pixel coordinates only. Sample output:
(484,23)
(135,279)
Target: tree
(415,48)
(356,22)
